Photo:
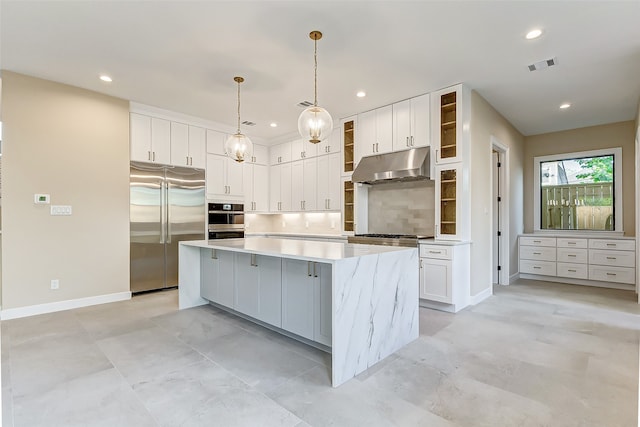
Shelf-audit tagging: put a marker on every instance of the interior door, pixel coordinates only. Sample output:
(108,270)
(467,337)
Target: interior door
(185,201)
(147,252)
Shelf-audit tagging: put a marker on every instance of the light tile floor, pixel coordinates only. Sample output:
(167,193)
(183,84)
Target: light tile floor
(534,354)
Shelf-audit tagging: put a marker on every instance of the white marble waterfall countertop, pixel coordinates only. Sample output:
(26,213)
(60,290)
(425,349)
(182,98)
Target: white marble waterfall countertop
(306,250)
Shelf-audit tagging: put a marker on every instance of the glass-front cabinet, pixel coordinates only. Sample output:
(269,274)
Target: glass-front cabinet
(348,138)
(447,124)
(448,202)
(348,211)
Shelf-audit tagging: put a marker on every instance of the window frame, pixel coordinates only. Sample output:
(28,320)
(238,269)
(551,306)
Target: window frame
(617,188)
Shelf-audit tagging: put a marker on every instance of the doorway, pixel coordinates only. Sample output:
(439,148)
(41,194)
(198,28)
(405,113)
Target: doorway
(500,213)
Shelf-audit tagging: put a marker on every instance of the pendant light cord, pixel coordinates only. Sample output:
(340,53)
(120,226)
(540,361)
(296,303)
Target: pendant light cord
(315,72)
(238,107)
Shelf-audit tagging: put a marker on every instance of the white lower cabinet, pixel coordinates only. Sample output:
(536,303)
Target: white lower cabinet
(444,274)
(583,260)
(258,284)
(306,299)
(217,282)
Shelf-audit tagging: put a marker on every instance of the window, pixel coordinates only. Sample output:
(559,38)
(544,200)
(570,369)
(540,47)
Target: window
(579,191)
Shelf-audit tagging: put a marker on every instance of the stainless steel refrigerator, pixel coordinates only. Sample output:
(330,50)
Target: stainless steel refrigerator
(167,205)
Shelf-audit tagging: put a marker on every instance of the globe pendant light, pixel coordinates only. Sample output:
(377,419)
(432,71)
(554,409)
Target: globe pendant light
(315,123)
(238,146)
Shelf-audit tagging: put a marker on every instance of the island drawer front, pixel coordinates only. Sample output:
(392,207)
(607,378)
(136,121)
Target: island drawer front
(538,241)
(613,258)
(546,268)
(572,243)
(612,274)
(538,253)
(572,255)
(435,251)
(574,271)
(620,245)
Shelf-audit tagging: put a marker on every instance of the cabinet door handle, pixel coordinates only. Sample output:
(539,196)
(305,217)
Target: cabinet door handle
(315,274)
(436,155)
(407,141)
(420,263)
(187,160)
(412,140)
(373,148)
(253,260)
(149,152)
(214,255)
(154,156)
(377,148)
(309,268)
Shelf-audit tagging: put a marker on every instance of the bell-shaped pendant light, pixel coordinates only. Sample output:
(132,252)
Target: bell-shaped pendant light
(238,146)
(315,123)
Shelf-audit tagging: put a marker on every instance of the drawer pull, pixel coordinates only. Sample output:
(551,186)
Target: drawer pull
(611,244)
(537,253)
(537,241)
(573,271)
(571,243)
(571,255)
(611,274)
(536,267)
(611,257)
(435,252)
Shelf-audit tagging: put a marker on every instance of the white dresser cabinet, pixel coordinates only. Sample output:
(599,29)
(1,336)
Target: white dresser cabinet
(581,260)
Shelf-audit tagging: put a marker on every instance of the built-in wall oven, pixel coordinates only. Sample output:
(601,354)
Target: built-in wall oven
(225,220)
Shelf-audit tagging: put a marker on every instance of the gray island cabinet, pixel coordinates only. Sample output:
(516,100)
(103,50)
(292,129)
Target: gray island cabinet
(358,302)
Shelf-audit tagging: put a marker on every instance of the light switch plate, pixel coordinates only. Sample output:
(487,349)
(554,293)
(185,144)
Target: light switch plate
(61,210)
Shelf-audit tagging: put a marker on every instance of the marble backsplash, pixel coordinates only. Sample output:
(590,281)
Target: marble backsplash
(402,207)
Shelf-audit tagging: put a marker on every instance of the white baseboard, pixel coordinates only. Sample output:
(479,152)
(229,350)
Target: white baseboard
(514,277)
(478,298)
(33,310)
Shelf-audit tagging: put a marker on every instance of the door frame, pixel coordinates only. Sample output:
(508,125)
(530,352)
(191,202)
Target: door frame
(505,260)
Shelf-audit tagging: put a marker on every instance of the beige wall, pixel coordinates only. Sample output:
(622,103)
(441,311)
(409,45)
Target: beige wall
(486,123)
(74,145)
(620,134)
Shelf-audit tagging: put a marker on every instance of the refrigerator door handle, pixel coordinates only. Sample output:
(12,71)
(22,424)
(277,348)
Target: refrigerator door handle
(162,213)
(167,206)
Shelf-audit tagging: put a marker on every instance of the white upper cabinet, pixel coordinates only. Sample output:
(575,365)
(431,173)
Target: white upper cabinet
(280,153)
(301,149)
(224,178)
(260,155)
(375,132)
(150,139)
(197,147)
(215,142)
(187,145)
(256,188)
(411,123)
(328,190)
(331,144)
(280,188)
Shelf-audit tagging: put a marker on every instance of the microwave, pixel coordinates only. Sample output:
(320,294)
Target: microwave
(225,220)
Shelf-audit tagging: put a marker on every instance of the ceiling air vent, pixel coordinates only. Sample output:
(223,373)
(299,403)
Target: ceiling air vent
(248,123)
(541,65)
(305,104)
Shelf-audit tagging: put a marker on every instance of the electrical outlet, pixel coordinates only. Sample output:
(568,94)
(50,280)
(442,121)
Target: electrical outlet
(55,284)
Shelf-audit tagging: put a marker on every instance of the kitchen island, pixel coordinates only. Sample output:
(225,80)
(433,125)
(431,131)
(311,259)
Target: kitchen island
(359,302)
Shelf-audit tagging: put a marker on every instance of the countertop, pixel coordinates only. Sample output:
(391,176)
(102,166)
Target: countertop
(306,250)
(579,235)
(439,242)
(303,235)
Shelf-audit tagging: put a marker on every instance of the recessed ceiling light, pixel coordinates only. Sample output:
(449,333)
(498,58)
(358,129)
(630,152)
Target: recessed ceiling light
(105,78)
(534,34)
(361,94)
(274,125)
(565,106)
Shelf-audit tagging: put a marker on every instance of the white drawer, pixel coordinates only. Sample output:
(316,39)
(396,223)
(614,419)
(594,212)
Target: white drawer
(613,258)
(574,271)
(612,274)
(546,268)
(537,253)
(538,241)
(564,242)
(620,245)
(435,251)
(572,255)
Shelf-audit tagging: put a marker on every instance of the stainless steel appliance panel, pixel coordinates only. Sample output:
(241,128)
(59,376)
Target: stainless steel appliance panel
(167,205)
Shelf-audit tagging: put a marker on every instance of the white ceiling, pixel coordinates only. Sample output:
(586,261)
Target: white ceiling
(183,55)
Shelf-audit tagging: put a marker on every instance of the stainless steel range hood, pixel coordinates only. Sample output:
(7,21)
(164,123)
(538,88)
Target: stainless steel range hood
(404,165)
